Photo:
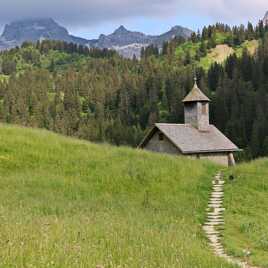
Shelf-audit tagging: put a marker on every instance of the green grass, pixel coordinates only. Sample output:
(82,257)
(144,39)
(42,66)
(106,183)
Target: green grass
(220,37)
(30,58)
(69,203)
(187,47)
(3,77)
(218,54)
(215,54)
(251,46)
(206,62)
(62,60)
(246,202)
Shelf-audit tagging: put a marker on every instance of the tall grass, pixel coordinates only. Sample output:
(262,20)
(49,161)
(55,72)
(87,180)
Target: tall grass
(69,203)
(246,202)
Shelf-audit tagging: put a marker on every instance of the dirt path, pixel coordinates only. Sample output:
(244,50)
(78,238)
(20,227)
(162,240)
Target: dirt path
(221,52)
(215,222)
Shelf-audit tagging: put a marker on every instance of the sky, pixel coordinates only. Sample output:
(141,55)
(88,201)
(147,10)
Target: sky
(90,18)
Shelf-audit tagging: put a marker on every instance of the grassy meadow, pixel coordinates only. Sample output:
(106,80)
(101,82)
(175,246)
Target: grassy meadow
(219,54)
(69,203)
(246,216)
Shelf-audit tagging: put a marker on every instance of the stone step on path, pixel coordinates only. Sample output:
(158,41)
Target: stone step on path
(218,182)
(213,215)
(214,206)
(219,202)
(213,202)
(217,191)
(215,222)
(215,218)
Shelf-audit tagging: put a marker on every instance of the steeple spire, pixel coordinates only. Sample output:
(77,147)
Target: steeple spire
(196,94)
(196,108)
(195,81)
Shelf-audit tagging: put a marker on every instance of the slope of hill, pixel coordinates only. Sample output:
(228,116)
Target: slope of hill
(217,54)
(246,216)
(221,52)
(69,203)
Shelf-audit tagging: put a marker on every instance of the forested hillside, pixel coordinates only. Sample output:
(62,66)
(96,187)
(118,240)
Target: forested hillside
(99,96)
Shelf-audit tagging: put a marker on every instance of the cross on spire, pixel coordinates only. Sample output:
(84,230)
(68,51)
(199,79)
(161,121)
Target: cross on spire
(196,95)
(195,80)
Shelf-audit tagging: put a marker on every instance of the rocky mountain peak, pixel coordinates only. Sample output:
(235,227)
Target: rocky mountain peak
(126,42)
(33,30)
(265,19)
(176,28)
(121,30)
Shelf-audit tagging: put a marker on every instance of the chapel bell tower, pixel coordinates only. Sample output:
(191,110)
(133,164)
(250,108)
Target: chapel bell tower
(196,109)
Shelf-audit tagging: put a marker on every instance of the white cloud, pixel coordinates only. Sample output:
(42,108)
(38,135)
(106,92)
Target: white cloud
(232,10)
(93,12)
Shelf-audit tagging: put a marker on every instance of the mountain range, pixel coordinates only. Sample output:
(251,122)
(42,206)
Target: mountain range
(265,18)
(127,43)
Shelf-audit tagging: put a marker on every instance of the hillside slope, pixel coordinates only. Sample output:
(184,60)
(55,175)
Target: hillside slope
(246,213)
(218,54)
(69,203)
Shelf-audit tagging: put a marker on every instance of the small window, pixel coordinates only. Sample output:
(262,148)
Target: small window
(204,108)
(161,136)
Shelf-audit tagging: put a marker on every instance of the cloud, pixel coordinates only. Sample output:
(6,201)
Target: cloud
(84,13)
(232,10)
(89,12)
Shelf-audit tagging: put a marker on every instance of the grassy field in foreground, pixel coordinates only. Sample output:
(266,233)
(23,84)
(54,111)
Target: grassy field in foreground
(69,203)
(246,203)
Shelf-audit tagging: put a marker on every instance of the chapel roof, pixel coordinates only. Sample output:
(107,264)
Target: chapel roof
(196,95)
(189,140)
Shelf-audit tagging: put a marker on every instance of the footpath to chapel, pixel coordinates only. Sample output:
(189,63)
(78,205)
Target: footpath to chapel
(215,222)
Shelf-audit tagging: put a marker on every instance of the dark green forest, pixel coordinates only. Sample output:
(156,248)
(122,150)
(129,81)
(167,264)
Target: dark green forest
(99,96)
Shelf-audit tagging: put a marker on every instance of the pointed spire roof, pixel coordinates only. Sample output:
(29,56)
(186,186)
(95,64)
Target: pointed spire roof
(196,95)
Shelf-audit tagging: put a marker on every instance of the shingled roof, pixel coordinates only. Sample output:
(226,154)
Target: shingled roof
(190,140)
(196,95)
